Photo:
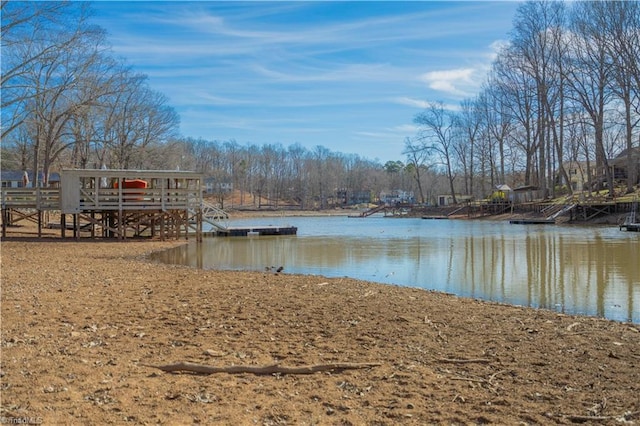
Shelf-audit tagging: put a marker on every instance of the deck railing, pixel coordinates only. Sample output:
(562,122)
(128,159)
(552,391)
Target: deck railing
(103,199)
(31,198)
(138,199)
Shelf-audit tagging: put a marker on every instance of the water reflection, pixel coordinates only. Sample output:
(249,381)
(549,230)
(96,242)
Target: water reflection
(590,271)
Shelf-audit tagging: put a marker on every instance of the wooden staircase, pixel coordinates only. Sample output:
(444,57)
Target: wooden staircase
(556,210)
(632,222)
(214,216)
(374,210)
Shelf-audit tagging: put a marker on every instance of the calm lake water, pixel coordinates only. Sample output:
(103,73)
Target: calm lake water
(575,270)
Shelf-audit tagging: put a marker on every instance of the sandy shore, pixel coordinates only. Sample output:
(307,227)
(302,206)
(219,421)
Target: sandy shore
(82,322)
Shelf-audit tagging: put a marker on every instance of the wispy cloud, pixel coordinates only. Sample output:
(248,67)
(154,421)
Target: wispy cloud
(496,47)
(454,81)
(408,129)
(418,103)
(337,74)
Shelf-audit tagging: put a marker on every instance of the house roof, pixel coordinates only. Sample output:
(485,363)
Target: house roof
(16,175)
(635,152)
(525,188)
(621,159)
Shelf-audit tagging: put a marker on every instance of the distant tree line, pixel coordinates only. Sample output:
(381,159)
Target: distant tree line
(566,88)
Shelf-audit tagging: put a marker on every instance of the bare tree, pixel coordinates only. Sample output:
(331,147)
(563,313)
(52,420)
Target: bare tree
(591,74)
(469,123)
(61,70)
(416,156)
(32,32)
(135,118)
(535,44)
(437,138)
(515,90)
(300,175)
(621,22)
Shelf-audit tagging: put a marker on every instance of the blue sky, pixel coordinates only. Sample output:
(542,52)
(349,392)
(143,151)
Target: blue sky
(349,76)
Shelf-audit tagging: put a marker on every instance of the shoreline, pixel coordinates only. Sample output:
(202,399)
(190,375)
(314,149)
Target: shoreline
(29,230)
(612,219)
(80,320)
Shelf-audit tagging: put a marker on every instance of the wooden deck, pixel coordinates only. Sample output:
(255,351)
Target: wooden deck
(98,203)
(28,205)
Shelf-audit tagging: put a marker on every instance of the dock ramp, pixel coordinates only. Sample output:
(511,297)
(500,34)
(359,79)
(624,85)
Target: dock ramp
(369,212)
(631,222)
(555,212)
(214,216)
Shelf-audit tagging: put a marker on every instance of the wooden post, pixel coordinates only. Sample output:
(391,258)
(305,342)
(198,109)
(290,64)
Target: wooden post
(112,223)
(4,222)
(76,226)
(182,217)
(39,223)
(120,224)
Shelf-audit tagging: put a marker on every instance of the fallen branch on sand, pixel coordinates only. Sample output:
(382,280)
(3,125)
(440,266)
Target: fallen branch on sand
(629,415)
(465,361)
(267,369)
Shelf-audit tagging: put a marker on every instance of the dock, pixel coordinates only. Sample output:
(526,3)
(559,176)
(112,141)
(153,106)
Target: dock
(254,231)
(118,204)
(631,221)
(124,204)
(532,221)
(371,211)
(551,213)
(632,227)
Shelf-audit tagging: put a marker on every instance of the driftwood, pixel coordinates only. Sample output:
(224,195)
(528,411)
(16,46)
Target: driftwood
(465,361)
(267,369)
(581,419)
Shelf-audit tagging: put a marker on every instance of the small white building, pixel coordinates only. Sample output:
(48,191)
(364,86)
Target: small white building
(397,196)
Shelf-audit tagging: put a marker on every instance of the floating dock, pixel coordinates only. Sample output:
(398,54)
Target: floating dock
(251,231)
(435,217)
(532,221)
(633,227)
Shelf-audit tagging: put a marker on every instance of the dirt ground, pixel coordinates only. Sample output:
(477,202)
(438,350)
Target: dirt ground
(84,322)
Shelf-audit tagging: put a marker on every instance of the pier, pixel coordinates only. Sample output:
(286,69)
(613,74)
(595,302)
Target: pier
(124,204)
(116,204)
